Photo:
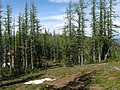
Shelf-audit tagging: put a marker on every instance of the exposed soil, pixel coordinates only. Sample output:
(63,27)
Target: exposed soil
(95,87)
(61,82)
(73,82)
(111,78)
(21,88)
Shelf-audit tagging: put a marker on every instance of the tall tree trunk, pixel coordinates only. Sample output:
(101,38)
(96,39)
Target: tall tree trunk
(82,59)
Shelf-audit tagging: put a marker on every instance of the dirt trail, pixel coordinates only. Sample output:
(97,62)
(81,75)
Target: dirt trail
(74,82)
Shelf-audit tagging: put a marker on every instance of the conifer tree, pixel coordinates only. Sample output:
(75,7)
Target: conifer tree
(1,43)
(94,28)
(33,19)
(26,33)
(18,61)
(8,33)
(79,10)
(69,17)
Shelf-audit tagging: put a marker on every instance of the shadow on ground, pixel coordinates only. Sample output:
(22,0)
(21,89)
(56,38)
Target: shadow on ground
(20,81)
(80,83)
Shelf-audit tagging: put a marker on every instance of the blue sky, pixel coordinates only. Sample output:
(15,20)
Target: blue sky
(50,12)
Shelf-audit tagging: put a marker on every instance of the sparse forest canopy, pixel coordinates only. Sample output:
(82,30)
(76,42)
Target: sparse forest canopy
(25,48)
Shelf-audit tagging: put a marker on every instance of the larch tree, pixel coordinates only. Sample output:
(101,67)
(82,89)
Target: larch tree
(100,35)
(23,41)
(45,43)
(110,27)
(8,29)
(38,47)
(26,33)
(94,28)
(18,61)
(14,44)
(33,19)
(69,18)
(1,44)
(79,10)
(106,28)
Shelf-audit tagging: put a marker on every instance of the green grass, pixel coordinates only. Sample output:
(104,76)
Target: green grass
(105,76)
(108,77)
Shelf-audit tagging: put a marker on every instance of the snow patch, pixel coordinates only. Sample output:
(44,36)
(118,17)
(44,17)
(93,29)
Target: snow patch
(39,81)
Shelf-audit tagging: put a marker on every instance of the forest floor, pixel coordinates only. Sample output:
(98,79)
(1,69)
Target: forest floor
(105,76)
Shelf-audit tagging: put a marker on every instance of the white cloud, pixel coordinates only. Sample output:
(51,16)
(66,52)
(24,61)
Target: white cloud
(59,25)
(56,25)
(117,23)
(88,32)
(59,1)
(55,17)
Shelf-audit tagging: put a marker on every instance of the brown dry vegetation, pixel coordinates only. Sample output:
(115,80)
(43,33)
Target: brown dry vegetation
(89,77)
